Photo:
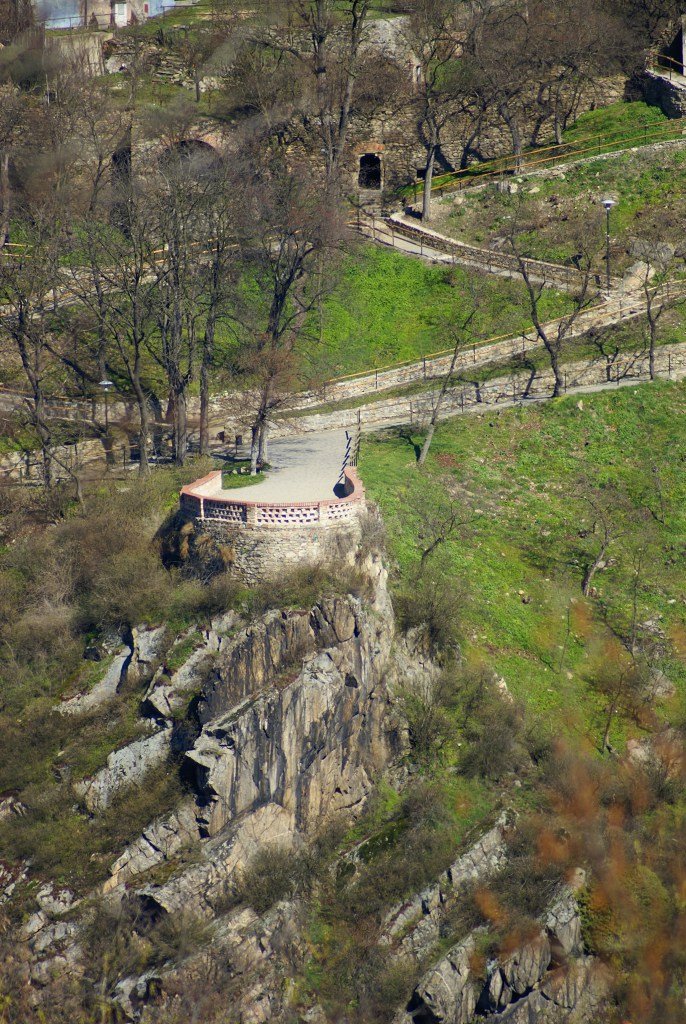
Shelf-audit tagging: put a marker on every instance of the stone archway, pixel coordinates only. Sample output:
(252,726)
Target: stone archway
(370,171)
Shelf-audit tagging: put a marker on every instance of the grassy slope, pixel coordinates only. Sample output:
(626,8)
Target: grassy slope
(606,130)
(521,470)
(644,183)
(388,307)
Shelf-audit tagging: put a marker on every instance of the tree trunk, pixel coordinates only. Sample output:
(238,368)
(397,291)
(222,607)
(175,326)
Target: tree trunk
(447,380)
(608,725)
(144,417)
(513,126)
(204,408)
(427,442)
(428,179)
(4,199)
(592,569)
(651,350)
(180,428)
(262,454)
(554,355)
(559,138)
(254,447)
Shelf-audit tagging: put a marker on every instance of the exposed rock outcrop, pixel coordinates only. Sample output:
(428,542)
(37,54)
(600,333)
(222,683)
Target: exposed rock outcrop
(124,768)
(545,980)
(448,993)
(164,838)
(414,925)
(573,994)
(296,714)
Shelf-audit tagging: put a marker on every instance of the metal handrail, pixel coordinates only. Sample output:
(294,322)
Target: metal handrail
(472,176)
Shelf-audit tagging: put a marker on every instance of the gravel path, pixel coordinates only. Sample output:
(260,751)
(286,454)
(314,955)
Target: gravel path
(304,468)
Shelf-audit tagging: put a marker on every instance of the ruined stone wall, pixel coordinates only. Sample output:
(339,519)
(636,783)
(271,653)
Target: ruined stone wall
(395,136)
(660,92)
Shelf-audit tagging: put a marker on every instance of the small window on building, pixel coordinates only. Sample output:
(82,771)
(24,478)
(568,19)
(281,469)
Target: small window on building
(370,171)
(421,173)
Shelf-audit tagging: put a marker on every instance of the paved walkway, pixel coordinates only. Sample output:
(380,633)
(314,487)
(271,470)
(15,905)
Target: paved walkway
(303,469)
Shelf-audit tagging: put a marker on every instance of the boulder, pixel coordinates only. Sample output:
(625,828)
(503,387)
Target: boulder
(161,841)
(447,994)
(124,768)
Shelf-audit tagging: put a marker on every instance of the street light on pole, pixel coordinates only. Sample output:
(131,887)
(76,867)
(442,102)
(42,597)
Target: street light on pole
(106,385)
(608,204)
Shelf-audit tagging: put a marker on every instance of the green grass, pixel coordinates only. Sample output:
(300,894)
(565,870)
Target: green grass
(606,130)
(388,307)
(624,118)
(232,480)
(518,472)
(647,186)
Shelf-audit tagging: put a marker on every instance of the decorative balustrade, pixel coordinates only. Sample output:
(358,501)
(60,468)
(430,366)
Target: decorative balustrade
(205,501)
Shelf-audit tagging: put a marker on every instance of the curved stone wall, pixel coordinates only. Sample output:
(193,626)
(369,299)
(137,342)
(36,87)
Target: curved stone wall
(266,538)
(204,501)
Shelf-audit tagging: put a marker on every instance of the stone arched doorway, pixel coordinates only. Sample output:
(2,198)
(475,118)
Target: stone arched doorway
(370,171)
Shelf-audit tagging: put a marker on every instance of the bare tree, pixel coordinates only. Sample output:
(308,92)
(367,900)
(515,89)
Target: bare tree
(432,36)
(290,221)
(555,335)
(621,681)
(461,336)
(571,60)
(27,281)
(501,64)
(660,295)
(123,300)
(220,269)
(12,116)
(325,38)
(607,528)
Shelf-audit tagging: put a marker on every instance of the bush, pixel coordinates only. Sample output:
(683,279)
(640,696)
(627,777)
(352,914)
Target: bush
(491,725)
(422,844)
(275,873)
(432,603)
(425,706)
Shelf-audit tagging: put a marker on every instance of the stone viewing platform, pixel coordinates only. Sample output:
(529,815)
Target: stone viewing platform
(206,501)
(305,511)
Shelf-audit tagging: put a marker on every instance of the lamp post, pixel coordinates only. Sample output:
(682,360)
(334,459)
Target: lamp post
(106,385)
(608,204)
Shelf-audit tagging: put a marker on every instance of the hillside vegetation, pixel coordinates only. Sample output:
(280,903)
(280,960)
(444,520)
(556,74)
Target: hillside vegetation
(493,541)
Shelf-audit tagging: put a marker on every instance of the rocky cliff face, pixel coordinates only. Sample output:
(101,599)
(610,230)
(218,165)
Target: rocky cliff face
(307,740)
(288,722)
(545,980)
(294,721)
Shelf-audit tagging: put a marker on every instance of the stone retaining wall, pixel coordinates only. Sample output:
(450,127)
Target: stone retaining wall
(553,275)
(660,92)
(259,554)
(466,396)
(266,538)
